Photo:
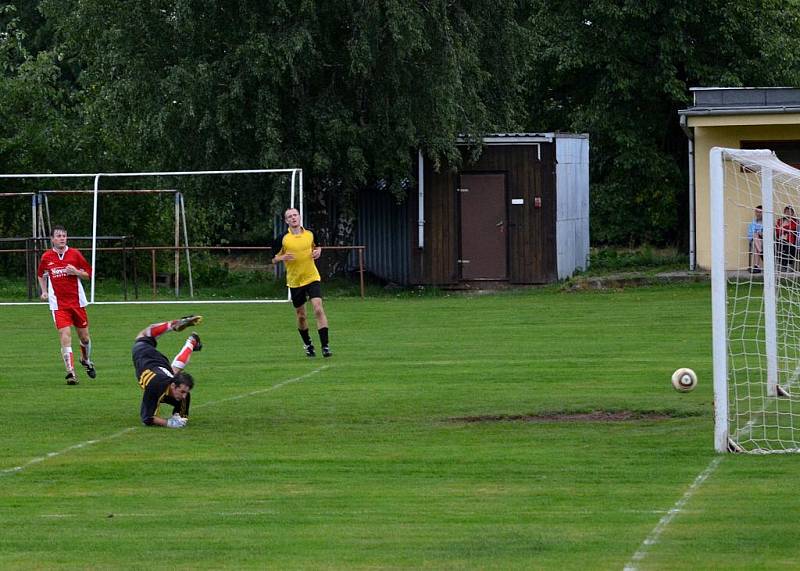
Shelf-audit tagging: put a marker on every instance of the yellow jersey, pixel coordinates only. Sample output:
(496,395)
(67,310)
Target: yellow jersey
(302,270)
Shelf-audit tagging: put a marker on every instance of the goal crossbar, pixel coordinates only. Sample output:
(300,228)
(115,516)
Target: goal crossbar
(149,173)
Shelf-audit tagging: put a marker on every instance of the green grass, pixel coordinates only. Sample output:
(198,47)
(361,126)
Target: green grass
(359,462)
(237,286)
(645,259)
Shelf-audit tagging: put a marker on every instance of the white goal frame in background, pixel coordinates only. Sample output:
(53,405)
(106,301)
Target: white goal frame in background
(755,314)
(43,225)
(295,197)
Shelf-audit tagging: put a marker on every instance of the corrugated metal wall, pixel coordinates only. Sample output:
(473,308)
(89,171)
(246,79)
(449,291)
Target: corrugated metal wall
(572,213)
(382,227)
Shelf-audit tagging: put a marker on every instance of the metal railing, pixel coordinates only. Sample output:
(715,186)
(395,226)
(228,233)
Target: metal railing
(33,250)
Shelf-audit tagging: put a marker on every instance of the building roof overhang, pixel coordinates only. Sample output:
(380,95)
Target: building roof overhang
(519,138)
(719,101)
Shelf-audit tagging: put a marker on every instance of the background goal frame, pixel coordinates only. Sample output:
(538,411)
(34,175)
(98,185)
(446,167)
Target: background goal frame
(295,201)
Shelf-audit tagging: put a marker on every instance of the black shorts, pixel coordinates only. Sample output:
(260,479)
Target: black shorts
(146,356)
(303,293)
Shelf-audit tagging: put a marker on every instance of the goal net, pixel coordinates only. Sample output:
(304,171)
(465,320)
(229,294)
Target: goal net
(164,237)
(755,262)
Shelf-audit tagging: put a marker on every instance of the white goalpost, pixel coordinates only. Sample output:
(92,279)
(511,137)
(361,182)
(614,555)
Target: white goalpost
(755,275)
(294,199)
(42,226)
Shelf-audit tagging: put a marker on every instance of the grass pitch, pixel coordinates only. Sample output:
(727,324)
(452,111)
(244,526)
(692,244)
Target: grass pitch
(527,430)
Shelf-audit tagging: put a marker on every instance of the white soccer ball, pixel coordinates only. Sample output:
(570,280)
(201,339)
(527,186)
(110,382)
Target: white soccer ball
(684,380)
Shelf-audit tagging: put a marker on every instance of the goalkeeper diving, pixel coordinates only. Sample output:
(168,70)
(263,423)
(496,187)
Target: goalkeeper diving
(163,381)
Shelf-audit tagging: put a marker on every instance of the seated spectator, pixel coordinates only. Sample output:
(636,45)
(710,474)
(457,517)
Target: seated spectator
(786,239)
(755,235)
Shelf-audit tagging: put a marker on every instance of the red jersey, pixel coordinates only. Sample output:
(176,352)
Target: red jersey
(63,290)
(786,229)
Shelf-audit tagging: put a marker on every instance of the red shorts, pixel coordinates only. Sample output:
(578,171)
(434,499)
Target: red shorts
(71,316)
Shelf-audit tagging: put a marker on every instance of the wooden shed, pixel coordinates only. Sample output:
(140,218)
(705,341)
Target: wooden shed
(519,214)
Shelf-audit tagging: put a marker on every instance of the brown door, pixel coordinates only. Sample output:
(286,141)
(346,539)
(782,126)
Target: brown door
(482,199)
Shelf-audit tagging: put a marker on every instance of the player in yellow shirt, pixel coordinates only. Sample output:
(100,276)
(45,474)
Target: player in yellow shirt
(298,251)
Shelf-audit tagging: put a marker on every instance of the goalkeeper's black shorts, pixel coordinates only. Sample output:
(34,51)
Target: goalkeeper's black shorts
(146,356)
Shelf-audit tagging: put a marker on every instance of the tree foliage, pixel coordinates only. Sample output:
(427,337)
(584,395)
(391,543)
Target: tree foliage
(349,90)
(621,70)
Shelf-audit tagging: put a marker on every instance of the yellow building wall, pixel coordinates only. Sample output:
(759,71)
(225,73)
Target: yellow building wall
(728,131)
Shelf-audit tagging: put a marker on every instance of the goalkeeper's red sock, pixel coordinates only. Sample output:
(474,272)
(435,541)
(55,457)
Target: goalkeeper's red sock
(157,329)
(182,358)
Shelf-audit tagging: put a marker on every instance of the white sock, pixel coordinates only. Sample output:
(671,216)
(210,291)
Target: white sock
(86,351)
(69,362)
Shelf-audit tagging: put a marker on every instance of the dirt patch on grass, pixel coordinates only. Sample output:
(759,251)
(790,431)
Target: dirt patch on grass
(594,416)
(632,279)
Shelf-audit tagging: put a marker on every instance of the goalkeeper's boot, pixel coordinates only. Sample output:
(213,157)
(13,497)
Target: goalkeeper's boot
(188,321)
(71,378)
(310,350)
(198,345)
(89,366)
(326,351)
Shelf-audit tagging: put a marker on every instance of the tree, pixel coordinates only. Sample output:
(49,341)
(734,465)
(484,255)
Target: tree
(347,90)
(35,113)
(621,71)
(350,90)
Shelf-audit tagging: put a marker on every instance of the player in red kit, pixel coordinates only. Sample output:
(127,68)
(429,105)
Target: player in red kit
(61,270)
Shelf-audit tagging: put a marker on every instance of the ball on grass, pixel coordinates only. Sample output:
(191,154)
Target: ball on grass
(684,380)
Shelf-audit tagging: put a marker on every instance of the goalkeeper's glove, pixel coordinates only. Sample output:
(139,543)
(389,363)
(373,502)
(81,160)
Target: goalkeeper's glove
(176,421)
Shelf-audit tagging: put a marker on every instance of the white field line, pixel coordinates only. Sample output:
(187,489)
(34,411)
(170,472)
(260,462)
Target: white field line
(268,389)
(654,536)
(49,455)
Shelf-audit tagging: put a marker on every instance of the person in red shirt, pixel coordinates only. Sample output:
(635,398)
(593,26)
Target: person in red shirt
(786,239)
(61,270)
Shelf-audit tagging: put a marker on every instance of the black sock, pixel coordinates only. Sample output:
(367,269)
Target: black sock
(323,336)
(306,337)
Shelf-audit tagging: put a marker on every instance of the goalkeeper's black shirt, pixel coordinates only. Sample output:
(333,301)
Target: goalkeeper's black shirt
(154,373)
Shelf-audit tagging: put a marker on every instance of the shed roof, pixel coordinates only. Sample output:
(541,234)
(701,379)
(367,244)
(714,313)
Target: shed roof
(743,100)
(522,138)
